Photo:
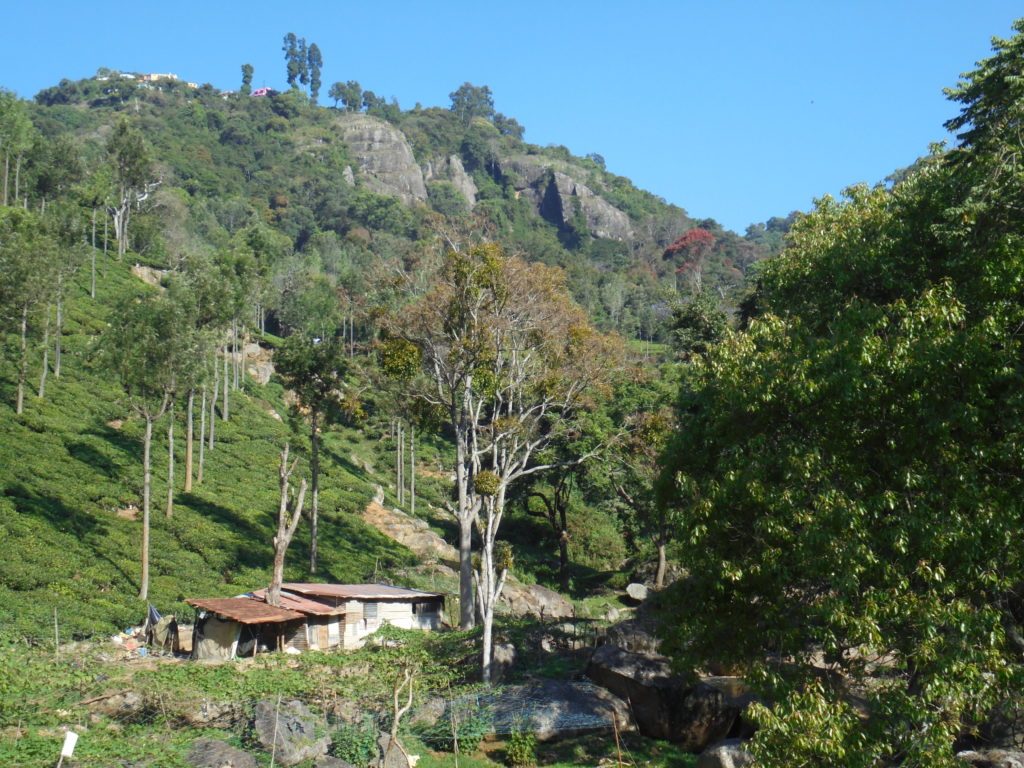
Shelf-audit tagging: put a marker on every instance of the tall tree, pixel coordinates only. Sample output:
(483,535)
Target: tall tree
(291,57)
(850,466)
(470,101)
(133,177)
(315,61)
(142,346)
(315,370)
(28,269)
(16,137)
(289,513)
(507,357)
(247,72)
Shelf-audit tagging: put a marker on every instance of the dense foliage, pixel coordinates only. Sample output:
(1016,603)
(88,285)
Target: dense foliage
(850,465)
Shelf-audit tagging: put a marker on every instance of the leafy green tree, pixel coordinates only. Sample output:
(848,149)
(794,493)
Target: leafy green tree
(697,325)
(28,271)
(507,356)
(133,177)
(315,369)
(314,60)
(16,137)
(291,57)
(246,88)
(849,466)
(470,101)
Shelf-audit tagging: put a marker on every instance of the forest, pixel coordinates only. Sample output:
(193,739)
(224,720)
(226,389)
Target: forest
(231,318)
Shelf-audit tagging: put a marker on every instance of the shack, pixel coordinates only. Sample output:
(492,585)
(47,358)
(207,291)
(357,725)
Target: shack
(311,617)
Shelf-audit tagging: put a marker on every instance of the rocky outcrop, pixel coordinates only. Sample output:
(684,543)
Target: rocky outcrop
(535,600)
(210,753)
(451,169)
(664,705)
(290,731)
(993,758)
(386,162)
(560,198)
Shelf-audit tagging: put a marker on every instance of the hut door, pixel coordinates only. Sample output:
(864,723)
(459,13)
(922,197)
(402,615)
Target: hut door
(322,641)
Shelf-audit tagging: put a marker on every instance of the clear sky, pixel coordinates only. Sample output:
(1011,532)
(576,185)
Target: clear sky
(733,109)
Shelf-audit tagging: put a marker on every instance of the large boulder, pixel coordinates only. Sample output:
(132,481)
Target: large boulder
(992,758)
(730,753)
(386,162)
(555,708)
(535,600)
(210,753)
(664,705)
(289,731)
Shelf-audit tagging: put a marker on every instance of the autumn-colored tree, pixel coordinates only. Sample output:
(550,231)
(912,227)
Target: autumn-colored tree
(691,249)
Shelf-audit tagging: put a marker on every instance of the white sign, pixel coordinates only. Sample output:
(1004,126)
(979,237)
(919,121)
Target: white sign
(70,739)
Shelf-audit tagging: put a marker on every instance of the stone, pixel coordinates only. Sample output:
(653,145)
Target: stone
(127,705)
(992,758)
(209,753)
(409,531)
(535,600)
(725,754)
(386,162)
(393,756)
(560,709)
(504,659)
(451,169)
(633,635)
(332,762)
(663,704)
(208,713)
(637,592)
(289,731)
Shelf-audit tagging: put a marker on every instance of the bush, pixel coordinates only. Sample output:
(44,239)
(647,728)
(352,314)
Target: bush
(356,744)
(521,749)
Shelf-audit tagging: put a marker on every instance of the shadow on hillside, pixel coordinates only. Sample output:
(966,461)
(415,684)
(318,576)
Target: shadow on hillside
(347,464)
(87,529)
(127,445)
(256,555)
(93,458)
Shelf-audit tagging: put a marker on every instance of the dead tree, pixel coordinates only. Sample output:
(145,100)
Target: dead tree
(288,515)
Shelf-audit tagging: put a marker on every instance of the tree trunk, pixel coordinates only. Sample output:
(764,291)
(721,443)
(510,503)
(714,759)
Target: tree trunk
(189,436)
(146,479)
(659,578)
(46,355)
(7,171)
(314,469)
(202,438)
(57,347)
(563,557)
(213,401)
(235,361)
(170,461)
(224,415)
(17,178)
(412,470)
(106,221)
(288,516)
(487,651)
(92,257)
(23,363)
(467,609)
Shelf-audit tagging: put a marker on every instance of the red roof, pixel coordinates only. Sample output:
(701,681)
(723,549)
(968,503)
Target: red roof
(246,610)
(359,591)
(302,604)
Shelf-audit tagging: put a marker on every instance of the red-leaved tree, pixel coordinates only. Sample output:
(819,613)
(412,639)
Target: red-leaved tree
(692,248)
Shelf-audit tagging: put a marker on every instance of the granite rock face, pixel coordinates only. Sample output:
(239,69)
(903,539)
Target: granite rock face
(451,169)
(386,162)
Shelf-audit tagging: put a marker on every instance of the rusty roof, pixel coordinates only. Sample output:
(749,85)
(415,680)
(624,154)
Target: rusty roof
(302,604)
(245,610)
(358,591)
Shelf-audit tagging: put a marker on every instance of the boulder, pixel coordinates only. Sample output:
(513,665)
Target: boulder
(992,758)
(409,531)
(730,753)
(209,753)
(126,705)
(386,162)
(332,762)
(393,755)
(556,708)
(535,600)
(636,592)
(208,713)
(289,731)
(664,705)
(504,659)
(633,635)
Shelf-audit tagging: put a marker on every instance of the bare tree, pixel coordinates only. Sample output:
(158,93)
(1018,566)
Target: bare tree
(289,512)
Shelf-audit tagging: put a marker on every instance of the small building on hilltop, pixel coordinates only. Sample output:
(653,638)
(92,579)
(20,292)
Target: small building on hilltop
(310,617)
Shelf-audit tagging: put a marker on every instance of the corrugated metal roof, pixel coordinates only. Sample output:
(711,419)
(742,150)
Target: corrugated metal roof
(246,610)
(358,591)
(302,604)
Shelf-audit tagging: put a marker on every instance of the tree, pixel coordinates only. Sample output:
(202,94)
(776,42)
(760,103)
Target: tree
(142,347)
(315,61)
(692,248)
(289,513)
(471,101)
(697,324)
(16,137)
(132,176)
(291,57)
(507,357)
(314,369)
(848,467)
(28,269)
(350,94)
(246,88)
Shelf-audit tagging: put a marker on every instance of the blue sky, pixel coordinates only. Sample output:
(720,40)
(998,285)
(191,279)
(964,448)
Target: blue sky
(735,109)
